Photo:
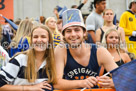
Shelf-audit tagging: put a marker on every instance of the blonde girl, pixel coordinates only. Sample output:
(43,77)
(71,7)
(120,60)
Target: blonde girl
(52,24)
(34,69)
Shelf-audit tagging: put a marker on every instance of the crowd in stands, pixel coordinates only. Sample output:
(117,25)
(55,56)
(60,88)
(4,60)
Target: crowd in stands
(67,51)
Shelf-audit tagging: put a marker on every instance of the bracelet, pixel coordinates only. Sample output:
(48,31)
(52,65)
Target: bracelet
(22,88)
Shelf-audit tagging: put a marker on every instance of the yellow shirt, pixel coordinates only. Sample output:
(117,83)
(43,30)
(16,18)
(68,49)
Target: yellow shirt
(128,23)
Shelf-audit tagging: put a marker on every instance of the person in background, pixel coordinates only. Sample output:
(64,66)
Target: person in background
(95,20)
(112,41)
(59,25)
(7,35)
(52,24)
(128,23)
(21,41)
(80,6)
(56,12)
(78,61)
(42,20)
(34,69)
(17,22)
(108,16)
(35,22)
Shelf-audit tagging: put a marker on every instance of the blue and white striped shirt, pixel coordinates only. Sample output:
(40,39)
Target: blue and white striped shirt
(13,72)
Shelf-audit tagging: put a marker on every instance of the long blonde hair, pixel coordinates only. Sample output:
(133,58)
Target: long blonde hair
(30,71)
(56,29)
(23,30)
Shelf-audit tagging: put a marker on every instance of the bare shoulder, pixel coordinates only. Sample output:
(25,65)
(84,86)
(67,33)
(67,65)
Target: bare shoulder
(60,50)
(120,29)
(125,57)
(124,54)
(105,59)
(101,49)
(102,54)
(98,31)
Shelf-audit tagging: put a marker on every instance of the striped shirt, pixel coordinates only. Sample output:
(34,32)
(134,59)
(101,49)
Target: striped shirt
(13,72)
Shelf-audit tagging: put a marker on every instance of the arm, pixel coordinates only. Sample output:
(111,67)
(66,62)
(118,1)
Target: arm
(90,26)
(12,88)
(105,59)
(123,41)
(60,57)
(126,58)
(60,63)
(82,4)
(56,13)
(122,34)
(92,33)
(10,72)
(38,87)
(98,35)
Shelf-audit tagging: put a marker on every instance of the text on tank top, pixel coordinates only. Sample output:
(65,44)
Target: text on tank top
(75,71)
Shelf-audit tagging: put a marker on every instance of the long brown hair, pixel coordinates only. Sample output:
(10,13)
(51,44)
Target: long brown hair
(30,71)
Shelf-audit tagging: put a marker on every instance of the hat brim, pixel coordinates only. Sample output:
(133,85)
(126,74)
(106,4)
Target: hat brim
(73,24)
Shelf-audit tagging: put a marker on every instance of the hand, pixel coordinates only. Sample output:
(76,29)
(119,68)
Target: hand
(105,81)
(89,82)
(55,11)
(85,1)
(41,86)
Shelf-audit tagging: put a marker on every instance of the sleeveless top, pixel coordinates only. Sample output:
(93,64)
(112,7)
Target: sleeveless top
(120,62)
(102,33)
(75,71)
